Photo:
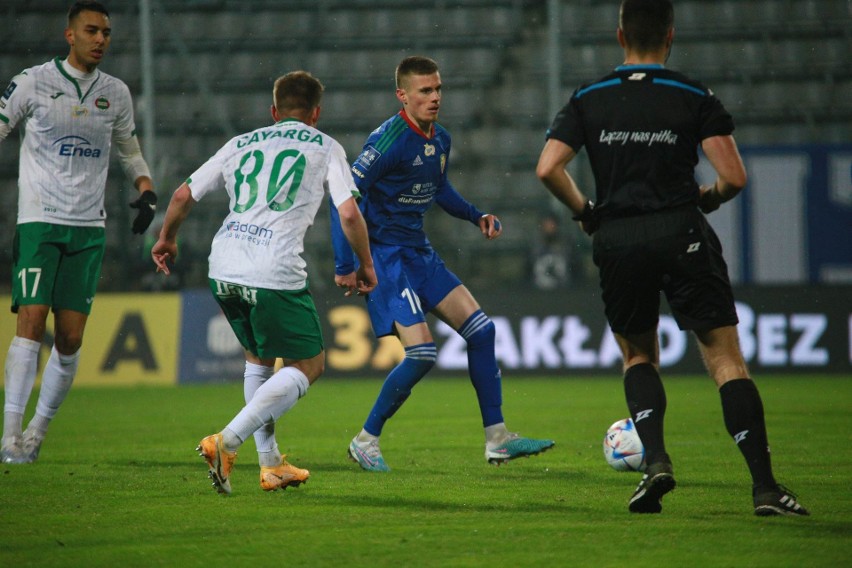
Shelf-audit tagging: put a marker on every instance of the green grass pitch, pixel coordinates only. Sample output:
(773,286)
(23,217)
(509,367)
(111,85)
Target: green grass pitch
(119,483)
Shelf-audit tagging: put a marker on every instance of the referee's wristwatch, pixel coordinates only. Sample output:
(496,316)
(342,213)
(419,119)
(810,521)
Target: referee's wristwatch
(588,218)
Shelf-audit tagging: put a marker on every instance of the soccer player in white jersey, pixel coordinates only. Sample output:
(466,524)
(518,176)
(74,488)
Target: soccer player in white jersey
(276,178)
(69,114)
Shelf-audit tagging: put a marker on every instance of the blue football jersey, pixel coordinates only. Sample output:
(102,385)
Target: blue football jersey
(400,173)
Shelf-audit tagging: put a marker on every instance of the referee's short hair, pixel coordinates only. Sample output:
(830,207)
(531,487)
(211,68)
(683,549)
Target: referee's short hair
(645,23)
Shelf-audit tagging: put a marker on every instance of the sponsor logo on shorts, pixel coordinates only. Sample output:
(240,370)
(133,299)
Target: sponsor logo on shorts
(228,290)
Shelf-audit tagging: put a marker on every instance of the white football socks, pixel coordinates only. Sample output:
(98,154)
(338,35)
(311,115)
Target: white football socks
(20,374)
(264,437)
(55,383)
(363,438)
(273,399)
(496,434)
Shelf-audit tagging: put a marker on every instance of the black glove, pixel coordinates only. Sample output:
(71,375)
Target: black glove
(588,218)
(147,206)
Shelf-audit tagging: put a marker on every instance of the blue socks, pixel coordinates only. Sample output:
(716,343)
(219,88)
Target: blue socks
(479,332)
(419,359)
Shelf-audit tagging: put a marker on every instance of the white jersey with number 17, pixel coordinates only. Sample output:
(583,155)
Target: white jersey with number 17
(276,178)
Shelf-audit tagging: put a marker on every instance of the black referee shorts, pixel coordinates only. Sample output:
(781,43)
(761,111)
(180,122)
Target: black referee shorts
(675,251)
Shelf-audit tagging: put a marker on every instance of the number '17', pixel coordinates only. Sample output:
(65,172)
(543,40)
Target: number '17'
(23,276)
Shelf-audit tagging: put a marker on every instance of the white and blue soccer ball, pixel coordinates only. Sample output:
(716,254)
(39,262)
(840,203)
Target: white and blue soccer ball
(622,447)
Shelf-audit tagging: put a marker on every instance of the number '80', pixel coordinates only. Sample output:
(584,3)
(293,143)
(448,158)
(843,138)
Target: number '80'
(277,180)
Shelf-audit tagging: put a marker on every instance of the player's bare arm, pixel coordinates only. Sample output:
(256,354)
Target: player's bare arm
(551,170)
(725,157)
(552,162)
(352,222)
(166,246)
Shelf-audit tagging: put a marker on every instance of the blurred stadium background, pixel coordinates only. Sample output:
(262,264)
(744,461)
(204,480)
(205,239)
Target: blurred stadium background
(782,67)
(201,71)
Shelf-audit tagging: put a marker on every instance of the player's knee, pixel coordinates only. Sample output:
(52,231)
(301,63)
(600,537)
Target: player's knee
(422,356)
(68,343)
(313,368)
(484,334)
(31,323)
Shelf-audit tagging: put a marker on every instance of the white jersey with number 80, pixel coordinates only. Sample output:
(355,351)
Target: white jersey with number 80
(276,178)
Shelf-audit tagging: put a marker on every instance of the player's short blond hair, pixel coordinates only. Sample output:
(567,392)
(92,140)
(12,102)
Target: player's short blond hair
(297,90)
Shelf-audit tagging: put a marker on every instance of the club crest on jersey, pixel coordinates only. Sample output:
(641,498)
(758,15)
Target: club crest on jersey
(443,162)
(428,150)
(102,103)
(79,111)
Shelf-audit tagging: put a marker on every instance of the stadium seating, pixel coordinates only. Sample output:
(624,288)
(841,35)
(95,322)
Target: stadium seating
(781,67)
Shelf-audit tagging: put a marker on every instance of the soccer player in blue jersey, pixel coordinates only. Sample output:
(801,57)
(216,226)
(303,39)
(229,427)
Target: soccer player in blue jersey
(400,173)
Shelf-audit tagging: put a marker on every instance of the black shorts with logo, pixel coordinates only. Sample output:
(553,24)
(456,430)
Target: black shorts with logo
(675,251)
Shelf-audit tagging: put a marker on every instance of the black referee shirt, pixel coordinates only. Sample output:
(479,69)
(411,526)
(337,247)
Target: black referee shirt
(641,125)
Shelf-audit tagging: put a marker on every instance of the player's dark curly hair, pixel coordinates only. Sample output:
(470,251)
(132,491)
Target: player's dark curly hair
(645,23)
(83,6)
(297,90)
(414,65)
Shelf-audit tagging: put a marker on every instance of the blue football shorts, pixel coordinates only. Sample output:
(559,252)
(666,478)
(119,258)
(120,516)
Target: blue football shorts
(412,281)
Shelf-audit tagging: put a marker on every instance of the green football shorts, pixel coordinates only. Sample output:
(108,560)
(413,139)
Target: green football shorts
(271,323)
(56,265)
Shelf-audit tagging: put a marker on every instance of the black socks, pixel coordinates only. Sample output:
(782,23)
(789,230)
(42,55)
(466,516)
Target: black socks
(743,413)
(646,400)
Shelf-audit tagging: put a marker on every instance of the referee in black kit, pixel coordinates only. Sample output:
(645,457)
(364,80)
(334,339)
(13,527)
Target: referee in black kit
(642,125)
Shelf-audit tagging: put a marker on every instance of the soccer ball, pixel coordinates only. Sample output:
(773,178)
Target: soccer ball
(622,447)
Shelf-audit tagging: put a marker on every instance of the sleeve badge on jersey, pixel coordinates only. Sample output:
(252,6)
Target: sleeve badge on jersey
(9,90)
(368,156)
